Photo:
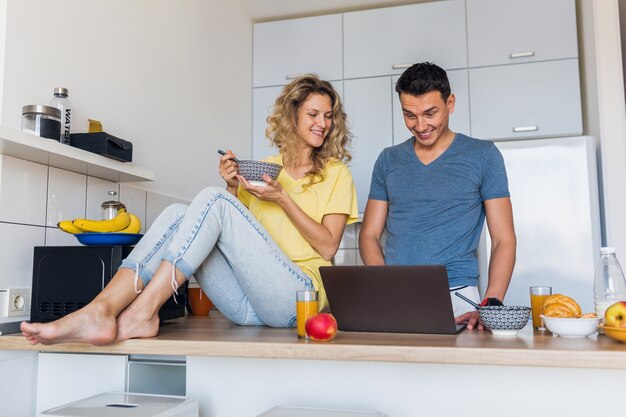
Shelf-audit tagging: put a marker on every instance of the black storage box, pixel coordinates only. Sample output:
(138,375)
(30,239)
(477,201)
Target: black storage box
(66,278)
(103,144)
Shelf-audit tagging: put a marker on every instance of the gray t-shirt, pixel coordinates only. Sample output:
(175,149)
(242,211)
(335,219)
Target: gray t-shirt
(435,213)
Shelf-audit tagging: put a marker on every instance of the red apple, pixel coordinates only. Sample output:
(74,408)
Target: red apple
(615,315)
(322,326)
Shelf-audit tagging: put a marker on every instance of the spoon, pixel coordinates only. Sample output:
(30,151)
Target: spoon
(221,152)
(458,294)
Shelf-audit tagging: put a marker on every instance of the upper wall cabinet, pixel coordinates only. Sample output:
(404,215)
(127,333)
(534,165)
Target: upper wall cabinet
(512,31)
(537,99)
(386,41)
(288,48)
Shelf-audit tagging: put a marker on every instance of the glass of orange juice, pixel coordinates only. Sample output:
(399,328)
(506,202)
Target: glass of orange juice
(537,297)
(306,306)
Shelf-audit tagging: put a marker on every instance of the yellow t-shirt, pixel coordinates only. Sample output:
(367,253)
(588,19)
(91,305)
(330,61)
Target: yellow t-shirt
(336,194)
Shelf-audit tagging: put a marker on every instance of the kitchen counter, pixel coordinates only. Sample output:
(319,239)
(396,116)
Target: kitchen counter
(215,336)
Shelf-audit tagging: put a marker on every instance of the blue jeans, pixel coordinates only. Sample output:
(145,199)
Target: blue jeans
(235,261)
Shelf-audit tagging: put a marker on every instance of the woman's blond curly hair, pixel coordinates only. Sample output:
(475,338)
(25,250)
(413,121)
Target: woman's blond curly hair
(282,125)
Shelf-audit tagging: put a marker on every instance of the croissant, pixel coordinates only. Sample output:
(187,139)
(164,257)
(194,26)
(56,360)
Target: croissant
(559,305)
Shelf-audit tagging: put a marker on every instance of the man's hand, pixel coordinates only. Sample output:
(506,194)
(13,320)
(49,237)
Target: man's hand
(472,320)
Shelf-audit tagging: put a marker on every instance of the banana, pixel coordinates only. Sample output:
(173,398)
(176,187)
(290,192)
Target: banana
(67,226)
(119,222)
(134,226)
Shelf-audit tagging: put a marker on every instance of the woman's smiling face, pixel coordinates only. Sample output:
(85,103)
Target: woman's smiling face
(314,119)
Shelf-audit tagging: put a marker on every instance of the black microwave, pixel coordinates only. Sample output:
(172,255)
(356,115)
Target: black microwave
(66,278)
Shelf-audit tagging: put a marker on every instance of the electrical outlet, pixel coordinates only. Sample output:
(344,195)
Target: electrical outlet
(17,302)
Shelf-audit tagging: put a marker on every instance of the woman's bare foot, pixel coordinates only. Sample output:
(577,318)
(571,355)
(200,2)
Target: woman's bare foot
(136,322)
(94,324)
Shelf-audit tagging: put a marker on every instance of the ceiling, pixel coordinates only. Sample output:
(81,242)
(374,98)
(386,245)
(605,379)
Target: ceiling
(264,10)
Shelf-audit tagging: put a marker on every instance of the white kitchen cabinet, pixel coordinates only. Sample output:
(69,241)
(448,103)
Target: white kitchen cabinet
(287,48)
(384,41)
(512,31)
(262,103)
(459,120)
(367,103)
(17,384)
(63,377)
(539,99)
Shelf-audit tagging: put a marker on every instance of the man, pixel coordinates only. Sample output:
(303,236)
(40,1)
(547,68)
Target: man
(433,192)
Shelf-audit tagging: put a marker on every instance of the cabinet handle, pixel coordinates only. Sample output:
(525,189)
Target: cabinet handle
(524,54)
(525,129)
(400,66)
(291,76)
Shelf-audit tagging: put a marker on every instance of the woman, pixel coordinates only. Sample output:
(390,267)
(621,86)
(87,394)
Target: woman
(249,247)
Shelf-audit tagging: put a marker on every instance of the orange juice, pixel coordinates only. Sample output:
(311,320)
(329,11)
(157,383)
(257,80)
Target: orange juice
(304,310)
(536,302)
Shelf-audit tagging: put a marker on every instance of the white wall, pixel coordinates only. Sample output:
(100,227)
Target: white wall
(172,77)
(3,22)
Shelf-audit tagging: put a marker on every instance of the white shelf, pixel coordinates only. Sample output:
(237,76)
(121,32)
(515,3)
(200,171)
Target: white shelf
(52,153)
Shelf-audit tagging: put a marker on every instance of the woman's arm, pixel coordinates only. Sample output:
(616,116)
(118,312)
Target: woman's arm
(323,237)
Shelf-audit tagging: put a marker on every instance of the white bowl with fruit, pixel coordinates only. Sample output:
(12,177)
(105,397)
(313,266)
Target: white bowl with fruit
(563,317)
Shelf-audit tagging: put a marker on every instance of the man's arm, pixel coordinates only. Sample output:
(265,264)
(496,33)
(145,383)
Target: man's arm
(499,216)
(374,220)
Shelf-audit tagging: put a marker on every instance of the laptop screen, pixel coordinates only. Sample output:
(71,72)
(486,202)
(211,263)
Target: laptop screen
(390,298)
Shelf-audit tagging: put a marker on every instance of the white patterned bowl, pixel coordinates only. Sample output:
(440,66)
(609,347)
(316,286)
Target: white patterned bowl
(253,171)
(504,320)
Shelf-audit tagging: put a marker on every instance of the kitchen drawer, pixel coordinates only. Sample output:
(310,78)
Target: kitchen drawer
(513,31)
(384,41)
(287,48)
(539,99)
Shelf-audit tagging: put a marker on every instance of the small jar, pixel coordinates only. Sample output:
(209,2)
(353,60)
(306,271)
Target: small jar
(43,121)
(110,208)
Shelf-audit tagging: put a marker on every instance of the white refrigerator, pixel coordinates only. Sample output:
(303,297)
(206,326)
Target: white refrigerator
(554,192)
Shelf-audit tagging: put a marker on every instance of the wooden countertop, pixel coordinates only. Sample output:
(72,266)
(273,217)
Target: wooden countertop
(216,336)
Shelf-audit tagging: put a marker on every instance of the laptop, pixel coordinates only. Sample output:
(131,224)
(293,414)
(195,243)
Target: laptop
(391,298)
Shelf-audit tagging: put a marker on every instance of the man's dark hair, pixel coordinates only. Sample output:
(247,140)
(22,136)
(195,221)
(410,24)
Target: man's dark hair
(423,78)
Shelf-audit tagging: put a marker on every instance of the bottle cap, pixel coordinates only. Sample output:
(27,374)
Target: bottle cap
(61,90)
(606,250)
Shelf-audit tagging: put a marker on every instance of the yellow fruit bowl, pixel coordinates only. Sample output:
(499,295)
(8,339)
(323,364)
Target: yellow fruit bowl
(617,333)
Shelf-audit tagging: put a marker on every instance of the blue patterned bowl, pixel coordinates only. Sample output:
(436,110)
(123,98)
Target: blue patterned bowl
(253,171)
(504,320)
